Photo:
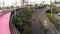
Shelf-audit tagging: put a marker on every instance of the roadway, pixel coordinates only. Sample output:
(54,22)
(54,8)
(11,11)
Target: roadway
(38,19)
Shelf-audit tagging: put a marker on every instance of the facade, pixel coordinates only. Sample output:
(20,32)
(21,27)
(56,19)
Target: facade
(23,2)
(11,3)
(57,4)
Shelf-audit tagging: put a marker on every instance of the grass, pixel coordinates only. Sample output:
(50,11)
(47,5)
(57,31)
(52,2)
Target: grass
(45,31)
(53,20)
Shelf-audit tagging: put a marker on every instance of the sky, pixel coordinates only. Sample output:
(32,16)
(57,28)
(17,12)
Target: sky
(9,2)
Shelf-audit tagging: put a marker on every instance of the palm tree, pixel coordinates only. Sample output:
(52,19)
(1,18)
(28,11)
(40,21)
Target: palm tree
(51,7)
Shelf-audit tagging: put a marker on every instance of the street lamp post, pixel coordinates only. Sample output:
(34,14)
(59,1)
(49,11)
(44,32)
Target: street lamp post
(51,7)
(3,4)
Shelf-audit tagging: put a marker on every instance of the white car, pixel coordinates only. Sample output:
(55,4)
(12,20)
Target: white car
(53,32)
(58,14)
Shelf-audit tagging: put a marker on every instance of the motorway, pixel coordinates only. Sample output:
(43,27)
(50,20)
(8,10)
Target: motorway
(38,19)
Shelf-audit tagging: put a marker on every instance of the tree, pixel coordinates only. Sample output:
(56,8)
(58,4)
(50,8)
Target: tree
(7,7)
(0,7)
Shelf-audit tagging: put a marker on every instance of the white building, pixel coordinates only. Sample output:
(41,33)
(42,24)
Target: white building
(10,3)
(13,2)
(57,4)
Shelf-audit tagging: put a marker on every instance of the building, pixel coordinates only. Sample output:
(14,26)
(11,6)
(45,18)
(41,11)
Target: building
(57,4)
(8,3)
(23,2)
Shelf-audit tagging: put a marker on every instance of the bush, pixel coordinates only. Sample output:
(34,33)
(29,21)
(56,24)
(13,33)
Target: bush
(22,21)
(45,31)
(0,7)
(55,9)
(7,7)
(53,20)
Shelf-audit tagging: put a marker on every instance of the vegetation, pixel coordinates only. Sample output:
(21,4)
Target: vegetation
(11,7)
(53,20)
(45,31)
(0,7)
(7,7)
(55,9)
(22,21)
(17,6)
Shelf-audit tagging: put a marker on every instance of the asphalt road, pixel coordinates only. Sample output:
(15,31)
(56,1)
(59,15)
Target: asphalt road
(39,18)
(36,23)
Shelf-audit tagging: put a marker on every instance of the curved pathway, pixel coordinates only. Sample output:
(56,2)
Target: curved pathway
(4,23)
(6,26)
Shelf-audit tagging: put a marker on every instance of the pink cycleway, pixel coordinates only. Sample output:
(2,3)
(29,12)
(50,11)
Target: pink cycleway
(4,23)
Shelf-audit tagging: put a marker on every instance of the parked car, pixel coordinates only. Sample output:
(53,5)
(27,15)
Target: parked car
(58,14)
(53,32)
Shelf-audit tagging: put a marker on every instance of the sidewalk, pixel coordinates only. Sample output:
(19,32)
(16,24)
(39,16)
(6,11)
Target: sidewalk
(4,23)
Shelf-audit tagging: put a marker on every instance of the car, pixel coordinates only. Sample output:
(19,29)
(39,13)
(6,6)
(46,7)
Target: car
(58,14)
(53,32)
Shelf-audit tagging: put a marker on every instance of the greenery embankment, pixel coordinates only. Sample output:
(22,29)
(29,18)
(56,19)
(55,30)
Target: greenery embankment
(22,21)
(55,9)
(45,31)
(53,20)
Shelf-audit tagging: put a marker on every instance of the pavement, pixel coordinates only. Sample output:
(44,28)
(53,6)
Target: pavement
(4,23)
(6,26)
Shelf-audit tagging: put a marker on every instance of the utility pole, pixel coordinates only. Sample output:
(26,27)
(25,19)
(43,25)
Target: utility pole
(22,2)
(43,2)
(3,4)
(55,0)
(51,7)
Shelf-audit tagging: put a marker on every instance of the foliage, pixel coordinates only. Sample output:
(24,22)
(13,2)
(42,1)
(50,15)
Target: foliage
(55,9)
(53,20)
(22,21)
(11,7)
(17,6)
(0,7)
(7,7)
(45,31)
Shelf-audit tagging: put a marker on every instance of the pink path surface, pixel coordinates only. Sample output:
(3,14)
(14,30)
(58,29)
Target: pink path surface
(4,23)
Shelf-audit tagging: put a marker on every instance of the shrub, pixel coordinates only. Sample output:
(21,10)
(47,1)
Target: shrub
(7,7)
(0,7)
(22,21)
(53,20)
